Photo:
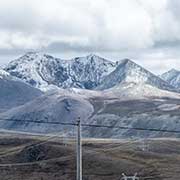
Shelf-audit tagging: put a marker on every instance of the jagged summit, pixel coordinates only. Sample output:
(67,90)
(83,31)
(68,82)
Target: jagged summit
(173,70)
(92,56)
(127,63)
(32,54)
(126,60)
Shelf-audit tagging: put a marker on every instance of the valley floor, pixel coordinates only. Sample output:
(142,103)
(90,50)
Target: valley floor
(28,157)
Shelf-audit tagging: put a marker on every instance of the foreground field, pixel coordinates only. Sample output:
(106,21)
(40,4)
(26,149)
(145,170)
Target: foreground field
(27,157)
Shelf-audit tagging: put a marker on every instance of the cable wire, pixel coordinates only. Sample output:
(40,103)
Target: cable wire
(91,125)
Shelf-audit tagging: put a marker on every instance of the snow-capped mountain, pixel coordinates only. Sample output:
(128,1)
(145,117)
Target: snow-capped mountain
(173,77)
(90,72)
(46,72)
(128,71)
(14,92)
(101,92)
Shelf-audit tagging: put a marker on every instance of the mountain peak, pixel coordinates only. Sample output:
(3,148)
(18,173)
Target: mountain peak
(30,56)
(32,53)
(128,71)
(92,56)
(172,77)
(126,60)
(173,70)
(169,74)
(95,57)
(94,60)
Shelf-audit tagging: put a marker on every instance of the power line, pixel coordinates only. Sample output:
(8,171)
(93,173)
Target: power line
(92,125)
(130,128)
(37,121)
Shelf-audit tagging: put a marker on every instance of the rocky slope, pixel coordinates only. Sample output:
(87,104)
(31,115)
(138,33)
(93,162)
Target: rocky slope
(14,92)
(56,106)
(129,105)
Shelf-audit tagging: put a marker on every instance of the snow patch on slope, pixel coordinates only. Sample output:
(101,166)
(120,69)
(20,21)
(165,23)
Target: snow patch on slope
(169,107)
(139,91)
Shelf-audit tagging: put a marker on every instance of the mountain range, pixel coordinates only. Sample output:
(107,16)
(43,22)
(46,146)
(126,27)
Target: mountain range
(97,90)
(90,72)
(46,72)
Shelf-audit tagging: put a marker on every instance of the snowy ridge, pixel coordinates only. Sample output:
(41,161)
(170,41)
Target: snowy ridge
(46,72)
(90,72)
(140,91)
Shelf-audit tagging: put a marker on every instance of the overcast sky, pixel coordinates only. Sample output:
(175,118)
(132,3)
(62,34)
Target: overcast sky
(147,31)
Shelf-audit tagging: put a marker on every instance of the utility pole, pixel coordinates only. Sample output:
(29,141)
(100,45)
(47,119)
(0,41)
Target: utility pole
(79,151)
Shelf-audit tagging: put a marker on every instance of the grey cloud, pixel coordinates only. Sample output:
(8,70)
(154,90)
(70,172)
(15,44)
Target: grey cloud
(174,6)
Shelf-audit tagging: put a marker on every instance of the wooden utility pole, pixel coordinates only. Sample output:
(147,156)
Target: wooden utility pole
(79,151)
